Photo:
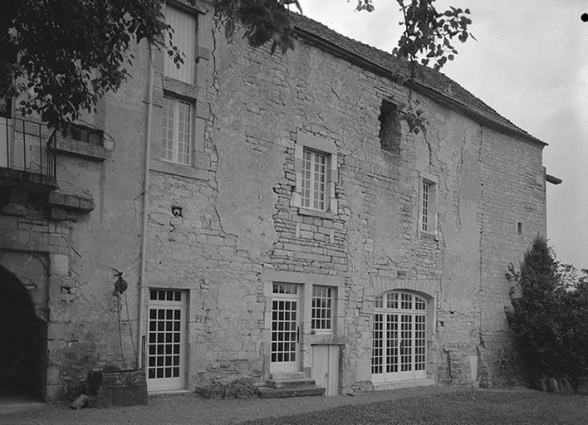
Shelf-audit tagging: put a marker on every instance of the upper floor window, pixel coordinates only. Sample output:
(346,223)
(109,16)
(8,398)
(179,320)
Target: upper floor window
(176,130)
(428,207)
(315,164)
(314,170)
(183,36)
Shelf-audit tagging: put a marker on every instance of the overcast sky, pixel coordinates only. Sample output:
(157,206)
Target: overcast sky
(530,64)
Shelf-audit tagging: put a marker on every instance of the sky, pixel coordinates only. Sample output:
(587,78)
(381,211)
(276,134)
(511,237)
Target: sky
(529,63)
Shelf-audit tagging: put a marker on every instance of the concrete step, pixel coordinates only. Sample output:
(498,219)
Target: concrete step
(290,383)
(268,392)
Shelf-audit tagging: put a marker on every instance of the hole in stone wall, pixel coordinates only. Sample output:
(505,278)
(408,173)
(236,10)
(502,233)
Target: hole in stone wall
(177,211)
(520,228)
(389,127)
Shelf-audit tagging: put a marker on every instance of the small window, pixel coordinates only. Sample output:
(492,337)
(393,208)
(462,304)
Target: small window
(285,288)
(390,132)
(87,135)
(314,170)
(315,166)
(176,130)
(428,207)
(520,228)
(322,308)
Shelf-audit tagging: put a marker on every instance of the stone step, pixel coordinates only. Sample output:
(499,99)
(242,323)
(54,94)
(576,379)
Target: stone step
(268,392)
(290,383)
(281,376)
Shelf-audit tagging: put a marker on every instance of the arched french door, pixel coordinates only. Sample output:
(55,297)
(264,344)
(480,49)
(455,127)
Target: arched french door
(399,344)
(22,340)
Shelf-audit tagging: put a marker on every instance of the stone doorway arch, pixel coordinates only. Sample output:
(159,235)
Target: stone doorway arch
(22,341)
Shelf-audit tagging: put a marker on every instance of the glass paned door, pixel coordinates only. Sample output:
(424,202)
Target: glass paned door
(285,328)
(399,337)
(165,340)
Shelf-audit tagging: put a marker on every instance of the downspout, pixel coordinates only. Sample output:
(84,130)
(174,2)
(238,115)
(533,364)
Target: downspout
(142,280)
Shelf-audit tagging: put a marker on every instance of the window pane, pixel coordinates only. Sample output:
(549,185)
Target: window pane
(176,131)
(322,306)
(314,174)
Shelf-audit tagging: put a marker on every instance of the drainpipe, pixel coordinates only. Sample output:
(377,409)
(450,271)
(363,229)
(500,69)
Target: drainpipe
(142,280)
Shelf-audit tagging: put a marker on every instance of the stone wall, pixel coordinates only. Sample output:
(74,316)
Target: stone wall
(237,225)
(239,220)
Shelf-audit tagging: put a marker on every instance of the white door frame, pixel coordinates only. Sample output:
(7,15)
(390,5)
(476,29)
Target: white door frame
(285,328)
(400,337)
(166,340)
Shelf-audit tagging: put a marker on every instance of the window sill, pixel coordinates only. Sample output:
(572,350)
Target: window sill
(178,169)
(81,149)
(429,236)
(316,213)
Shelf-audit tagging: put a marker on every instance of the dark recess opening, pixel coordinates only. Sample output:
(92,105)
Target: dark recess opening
(21,340)
(390,132)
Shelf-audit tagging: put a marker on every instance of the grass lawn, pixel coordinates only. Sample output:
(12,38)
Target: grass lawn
(468,407)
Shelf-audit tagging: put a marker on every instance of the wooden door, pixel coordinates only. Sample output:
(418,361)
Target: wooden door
(325,368)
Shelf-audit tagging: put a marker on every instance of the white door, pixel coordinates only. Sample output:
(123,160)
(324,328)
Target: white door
(325,368)
(166,340)
(285,324)
(399,337)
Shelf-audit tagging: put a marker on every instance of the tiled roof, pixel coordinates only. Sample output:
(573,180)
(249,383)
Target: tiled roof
(428,81)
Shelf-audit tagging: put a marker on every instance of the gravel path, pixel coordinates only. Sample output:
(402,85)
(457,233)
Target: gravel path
(193,410)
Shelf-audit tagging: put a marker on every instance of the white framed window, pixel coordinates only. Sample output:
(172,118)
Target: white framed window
(399,337)
(314,175)
(426,223)
(183,37)
(176,130)
(428,206)
(323,308)
(315,166)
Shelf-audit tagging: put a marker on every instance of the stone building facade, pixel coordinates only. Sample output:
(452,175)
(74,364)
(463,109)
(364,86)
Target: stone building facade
(271,214)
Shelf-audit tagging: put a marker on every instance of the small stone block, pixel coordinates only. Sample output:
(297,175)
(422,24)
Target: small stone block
(79,402)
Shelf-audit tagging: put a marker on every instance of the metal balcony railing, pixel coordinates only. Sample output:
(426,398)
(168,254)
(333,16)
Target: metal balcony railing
(24,146)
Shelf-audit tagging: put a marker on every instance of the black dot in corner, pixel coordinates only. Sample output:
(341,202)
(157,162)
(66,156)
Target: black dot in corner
(584,17)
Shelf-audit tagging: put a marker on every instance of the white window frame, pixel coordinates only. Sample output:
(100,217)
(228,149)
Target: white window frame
(395,304)
(308,144)
(176,156)
(314,176)
(427,207)
(323,309)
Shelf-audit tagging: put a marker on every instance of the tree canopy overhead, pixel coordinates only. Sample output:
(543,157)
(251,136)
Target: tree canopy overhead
(61,56)
(66,54)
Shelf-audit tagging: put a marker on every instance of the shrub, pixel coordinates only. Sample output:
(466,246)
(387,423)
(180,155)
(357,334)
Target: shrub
(550,314)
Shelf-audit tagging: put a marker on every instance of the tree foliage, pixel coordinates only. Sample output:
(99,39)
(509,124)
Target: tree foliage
(428,35)
(64,55)
(550,314)
(59,57)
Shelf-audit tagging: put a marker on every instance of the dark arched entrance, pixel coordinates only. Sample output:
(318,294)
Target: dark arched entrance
(21,340)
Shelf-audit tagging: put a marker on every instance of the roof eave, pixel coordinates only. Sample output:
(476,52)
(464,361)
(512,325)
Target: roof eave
(552,179)
(327,46)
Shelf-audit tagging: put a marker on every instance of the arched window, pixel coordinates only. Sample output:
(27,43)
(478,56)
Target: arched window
(399,347)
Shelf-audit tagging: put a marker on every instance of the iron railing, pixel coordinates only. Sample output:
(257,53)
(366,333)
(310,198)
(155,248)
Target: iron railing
(25,146)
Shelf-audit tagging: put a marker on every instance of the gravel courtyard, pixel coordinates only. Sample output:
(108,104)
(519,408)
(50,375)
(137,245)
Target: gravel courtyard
(431,405)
